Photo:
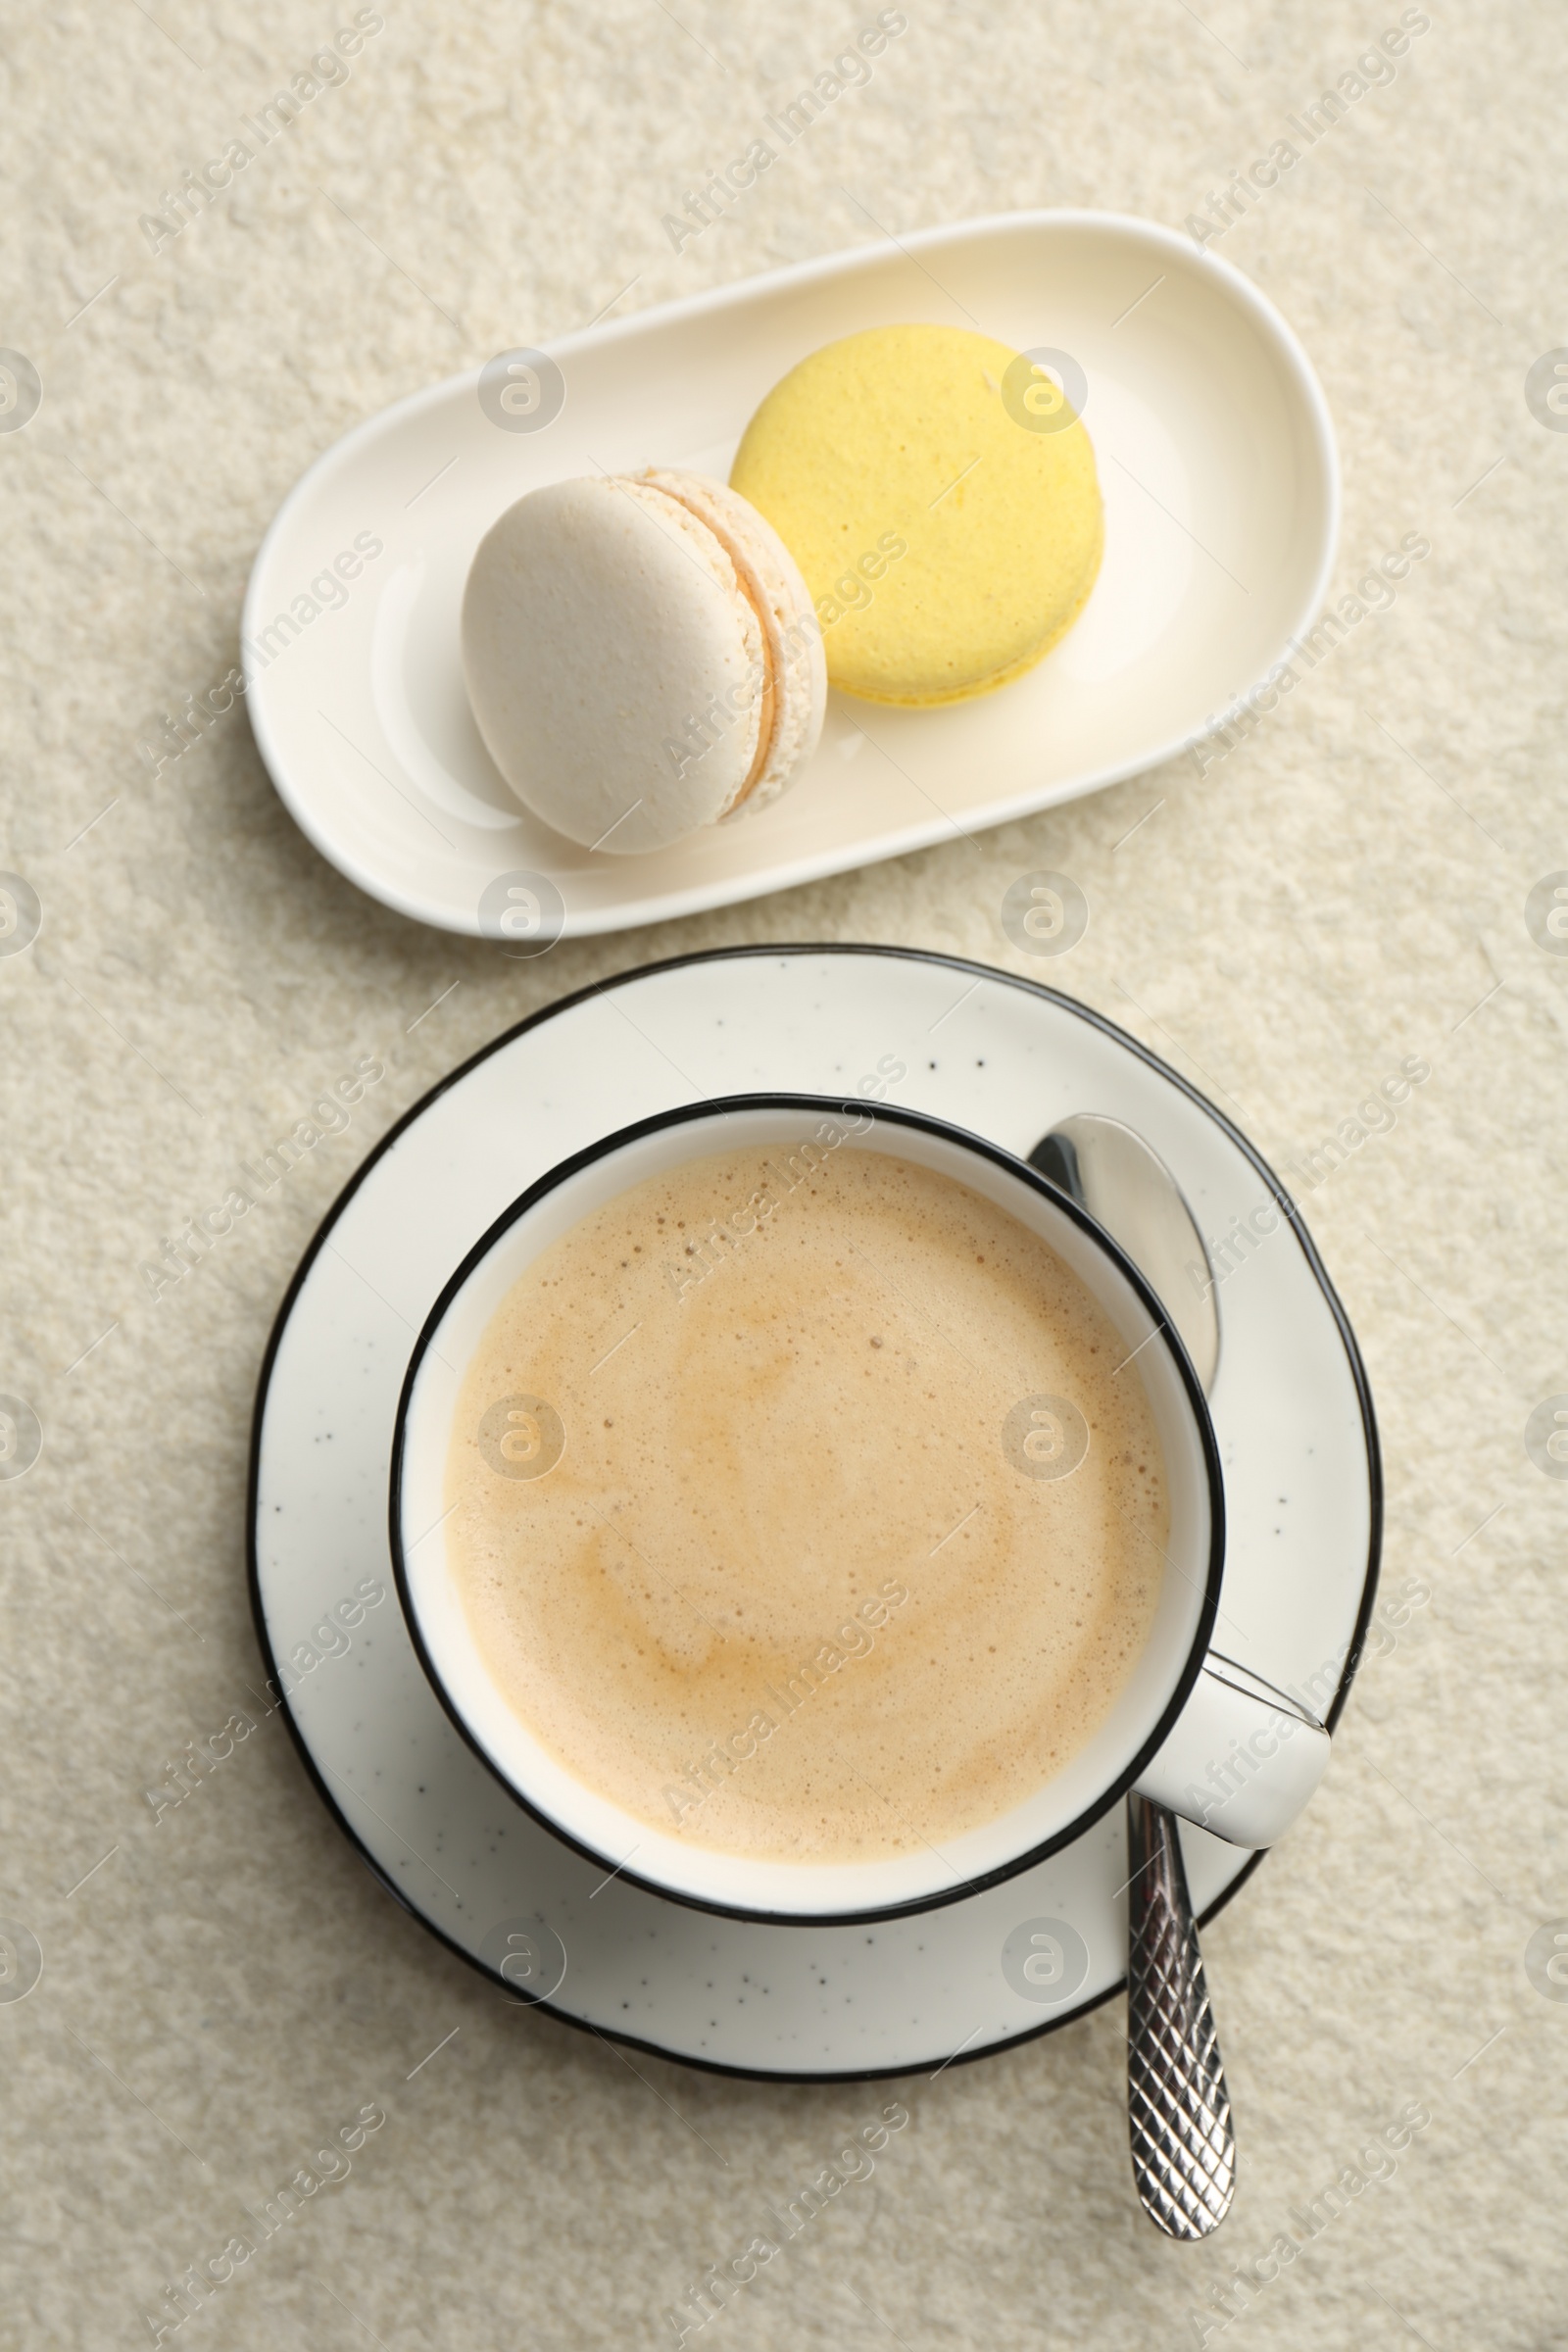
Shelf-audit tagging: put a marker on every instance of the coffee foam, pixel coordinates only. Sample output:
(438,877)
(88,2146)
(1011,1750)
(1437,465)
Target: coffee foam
(792,1588)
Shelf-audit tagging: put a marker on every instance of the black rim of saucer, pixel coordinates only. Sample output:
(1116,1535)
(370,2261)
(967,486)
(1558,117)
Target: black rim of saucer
(832,1107)
(789,953)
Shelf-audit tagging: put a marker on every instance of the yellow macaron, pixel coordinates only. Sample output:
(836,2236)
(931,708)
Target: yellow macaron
(937,492)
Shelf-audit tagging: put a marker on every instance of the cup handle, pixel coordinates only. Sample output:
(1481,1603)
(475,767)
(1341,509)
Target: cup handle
(1241,1758)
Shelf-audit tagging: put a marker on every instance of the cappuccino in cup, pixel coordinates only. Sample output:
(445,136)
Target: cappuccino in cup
(805,1505)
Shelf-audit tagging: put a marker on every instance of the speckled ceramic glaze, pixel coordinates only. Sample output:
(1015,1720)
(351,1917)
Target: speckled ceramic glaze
(995,1055)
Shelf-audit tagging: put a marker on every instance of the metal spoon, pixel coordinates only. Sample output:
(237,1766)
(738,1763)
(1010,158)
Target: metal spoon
(1178,2107)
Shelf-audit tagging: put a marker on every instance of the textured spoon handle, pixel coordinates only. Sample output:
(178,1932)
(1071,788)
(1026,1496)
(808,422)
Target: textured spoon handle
(1178,2108)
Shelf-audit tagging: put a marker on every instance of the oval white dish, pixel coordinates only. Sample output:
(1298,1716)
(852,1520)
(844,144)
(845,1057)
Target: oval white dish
(1220,480)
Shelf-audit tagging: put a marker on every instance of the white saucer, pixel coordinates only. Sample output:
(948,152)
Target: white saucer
(1002,1056)
(1216,461)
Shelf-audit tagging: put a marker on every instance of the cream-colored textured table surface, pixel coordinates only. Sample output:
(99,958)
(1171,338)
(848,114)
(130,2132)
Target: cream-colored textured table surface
(1344,890)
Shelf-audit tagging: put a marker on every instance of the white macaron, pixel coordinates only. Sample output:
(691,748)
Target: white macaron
(642,657)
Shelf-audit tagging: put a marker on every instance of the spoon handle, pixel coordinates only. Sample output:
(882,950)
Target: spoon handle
(1178,2108)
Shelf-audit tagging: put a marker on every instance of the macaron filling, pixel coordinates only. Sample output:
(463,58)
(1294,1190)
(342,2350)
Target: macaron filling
(710,513)
(765,704)
(663,500)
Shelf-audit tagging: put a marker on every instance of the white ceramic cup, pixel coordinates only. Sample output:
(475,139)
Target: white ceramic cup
(1189,1728)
